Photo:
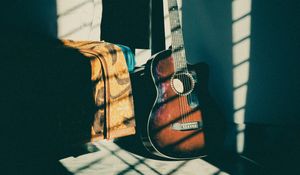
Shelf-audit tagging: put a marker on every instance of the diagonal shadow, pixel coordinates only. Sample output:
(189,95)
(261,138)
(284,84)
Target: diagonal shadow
(140,161)
(131,167)
(90,164)
(143,162)
(73,8)
(177,168)
(180,117)
(183,139)
(81,27)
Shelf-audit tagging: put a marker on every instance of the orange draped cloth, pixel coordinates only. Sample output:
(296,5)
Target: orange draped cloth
(112,91)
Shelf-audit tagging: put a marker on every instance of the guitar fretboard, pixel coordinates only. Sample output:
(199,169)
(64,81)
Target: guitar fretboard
(178,51)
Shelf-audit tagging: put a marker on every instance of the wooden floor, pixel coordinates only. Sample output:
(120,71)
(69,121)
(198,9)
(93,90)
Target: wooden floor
(107,157)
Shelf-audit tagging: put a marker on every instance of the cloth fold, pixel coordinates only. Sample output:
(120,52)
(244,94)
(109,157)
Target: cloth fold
(112,91)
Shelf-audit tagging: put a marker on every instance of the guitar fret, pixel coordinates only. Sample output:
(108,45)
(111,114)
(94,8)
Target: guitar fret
(173,8)
(176,28)
(177,49)
(176,36)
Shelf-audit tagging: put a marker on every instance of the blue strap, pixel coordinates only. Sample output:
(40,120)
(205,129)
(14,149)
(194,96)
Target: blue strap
(129,57)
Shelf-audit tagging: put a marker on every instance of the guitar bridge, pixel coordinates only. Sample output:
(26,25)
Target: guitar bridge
(187,126)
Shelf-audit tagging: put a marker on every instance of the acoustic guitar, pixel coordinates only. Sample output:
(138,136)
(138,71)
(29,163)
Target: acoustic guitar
(174,127)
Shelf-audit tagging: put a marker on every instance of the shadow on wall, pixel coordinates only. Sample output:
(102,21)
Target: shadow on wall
(207,33)
(214,33)
(274,73)
(45,94)
(252,49)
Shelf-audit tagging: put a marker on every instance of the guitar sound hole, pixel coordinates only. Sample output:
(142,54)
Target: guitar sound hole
(182,83)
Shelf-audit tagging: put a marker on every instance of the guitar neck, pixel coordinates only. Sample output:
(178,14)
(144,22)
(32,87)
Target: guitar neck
(178,50)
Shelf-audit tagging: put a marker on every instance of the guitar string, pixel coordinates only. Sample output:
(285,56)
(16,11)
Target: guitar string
(179,76)
(173,53)
(181,102)
(184,66)
(181,97)
(184,84)
(177,58)
(180,54)
(175,16)
(187,82)
(184,80)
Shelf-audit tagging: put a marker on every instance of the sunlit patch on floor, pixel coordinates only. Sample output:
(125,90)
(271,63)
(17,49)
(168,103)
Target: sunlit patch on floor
(111,159)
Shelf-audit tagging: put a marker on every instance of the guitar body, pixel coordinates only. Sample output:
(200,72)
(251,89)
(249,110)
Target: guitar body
(174,127)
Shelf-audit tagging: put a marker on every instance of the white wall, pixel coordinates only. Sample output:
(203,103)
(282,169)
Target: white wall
(252,49)
(79,19)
